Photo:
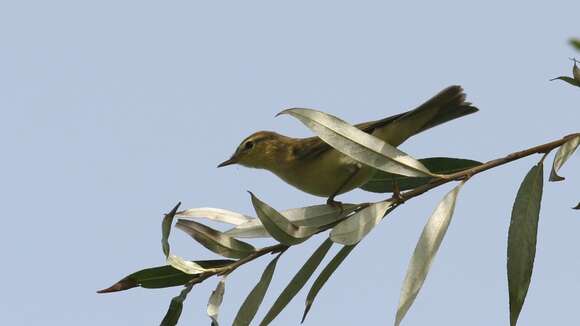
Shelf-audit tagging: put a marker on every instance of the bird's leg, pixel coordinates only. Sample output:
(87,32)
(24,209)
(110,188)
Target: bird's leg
(330,201)
(397,192)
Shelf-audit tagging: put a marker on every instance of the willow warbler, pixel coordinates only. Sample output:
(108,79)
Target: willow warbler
(313,166)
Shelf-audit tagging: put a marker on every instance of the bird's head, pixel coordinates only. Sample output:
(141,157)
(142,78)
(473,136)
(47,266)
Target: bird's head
(259,150)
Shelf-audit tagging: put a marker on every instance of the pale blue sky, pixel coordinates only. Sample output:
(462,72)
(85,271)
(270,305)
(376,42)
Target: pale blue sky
(112,111)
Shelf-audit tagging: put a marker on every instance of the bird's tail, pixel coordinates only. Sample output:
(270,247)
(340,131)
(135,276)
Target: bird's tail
(447,105)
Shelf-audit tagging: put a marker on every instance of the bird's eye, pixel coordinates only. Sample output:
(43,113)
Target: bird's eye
(249,145)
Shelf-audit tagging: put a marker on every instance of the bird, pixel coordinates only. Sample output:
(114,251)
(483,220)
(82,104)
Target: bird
(314,167)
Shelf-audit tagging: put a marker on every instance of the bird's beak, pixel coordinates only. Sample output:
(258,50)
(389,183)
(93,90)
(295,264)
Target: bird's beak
(230,161)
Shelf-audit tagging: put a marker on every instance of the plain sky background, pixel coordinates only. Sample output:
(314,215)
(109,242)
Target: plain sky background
(112,111)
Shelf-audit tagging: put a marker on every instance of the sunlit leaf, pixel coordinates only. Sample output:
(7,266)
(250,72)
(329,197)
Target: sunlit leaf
(359,145)
(522,237)
(186,266)
(324,276)
(250,306)
(278,226)
(297,282)
(564,153)
(161,276)
(425,251)
(166,229)
(312,216)
(175,307)
(353,229)
(215,301)
(567,79)
(382,182)
(214,240)
(250,229)
(215,214)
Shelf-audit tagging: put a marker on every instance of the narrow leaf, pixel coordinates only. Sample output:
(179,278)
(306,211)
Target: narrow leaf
(575,70)
(278,226)
(188,267)
(250,229)
(166,229)
(215,241)
(425,251)
(567,79)
(317,215)
(324,276)
(215,214)
(312,216)
(359,145)
(577,206)
(353,229)
(522,237)
(175,307)
(564,153)
(160,276)
(297,282)
(215,301)
(575,43)
(250,306)
(382,182)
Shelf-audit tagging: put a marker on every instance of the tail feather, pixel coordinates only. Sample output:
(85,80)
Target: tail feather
(447,105)
(450,104)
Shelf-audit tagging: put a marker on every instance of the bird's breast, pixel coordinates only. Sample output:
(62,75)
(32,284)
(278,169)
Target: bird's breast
(330,173)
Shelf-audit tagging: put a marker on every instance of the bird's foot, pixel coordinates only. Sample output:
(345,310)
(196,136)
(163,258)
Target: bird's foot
(333,203)
(397,193)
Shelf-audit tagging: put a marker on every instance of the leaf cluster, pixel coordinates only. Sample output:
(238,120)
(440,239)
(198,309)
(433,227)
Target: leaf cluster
(345,226)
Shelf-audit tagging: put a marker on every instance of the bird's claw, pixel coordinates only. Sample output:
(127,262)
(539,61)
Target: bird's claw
(333,203)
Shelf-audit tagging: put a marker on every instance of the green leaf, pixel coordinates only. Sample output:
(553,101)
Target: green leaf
(188,267)
(577,206)
(575,43)
(567,79)
(324,276)
(357,144)
(175,307)
(564,153)
(160,276)
(297,282)
(425,251)
(316,216)
(215,301)
(215,241)
(353,229)
(215,214)
(522,237)
(250,306)
(166,229)
(382,182)
(278,226)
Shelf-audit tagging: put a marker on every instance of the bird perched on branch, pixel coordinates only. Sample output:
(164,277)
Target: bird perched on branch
(315,167)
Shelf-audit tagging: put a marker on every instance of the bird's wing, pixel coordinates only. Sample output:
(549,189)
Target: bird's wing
(447,105)
(312,147)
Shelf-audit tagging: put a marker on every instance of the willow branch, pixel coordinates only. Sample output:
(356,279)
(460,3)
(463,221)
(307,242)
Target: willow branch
(468,173)
(400,198)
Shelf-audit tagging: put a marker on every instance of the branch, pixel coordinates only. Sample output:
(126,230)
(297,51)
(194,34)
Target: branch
(466,174)
(400,198)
